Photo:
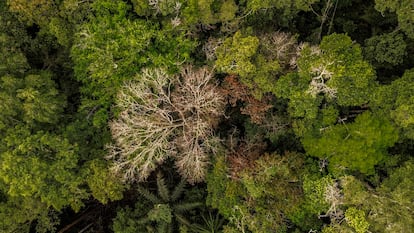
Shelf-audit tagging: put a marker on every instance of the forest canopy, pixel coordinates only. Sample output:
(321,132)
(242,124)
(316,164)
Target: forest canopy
(195,116)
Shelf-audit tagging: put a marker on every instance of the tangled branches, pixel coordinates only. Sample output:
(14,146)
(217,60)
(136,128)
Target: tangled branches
(163,116)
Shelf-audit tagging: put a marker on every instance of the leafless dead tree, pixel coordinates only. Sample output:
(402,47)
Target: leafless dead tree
(162,116)
(199,104)
(282,47)
(143,128)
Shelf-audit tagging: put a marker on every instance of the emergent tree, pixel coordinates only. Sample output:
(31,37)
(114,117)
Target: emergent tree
(161,116)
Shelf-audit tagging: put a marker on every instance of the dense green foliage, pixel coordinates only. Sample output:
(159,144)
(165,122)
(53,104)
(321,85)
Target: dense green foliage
(256,202)
(262,116)
(358,146)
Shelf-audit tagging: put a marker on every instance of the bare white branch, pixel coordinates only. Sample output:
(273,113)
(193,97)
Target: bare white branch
(157,121)
(318,84)
(143,128)
(334,197)
(283,46)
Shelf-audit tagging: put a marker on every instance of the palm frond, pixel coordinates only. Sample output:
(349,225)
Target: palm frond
(170,228)
(182,220)
(211,224)
(148,195)
(178,190)
(143,221)
(162,188)
(182,207)
(160,213)
(162,227)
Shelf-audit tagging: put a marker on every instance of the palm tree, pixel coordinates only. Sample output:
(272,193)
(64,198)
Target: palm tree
(166,210)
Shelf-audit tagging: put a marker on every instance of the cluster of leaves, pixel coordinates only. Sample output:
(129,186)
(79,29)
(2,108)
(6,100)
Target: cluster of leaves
(257,60)
(254,201)
(111,48)
(403,9)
